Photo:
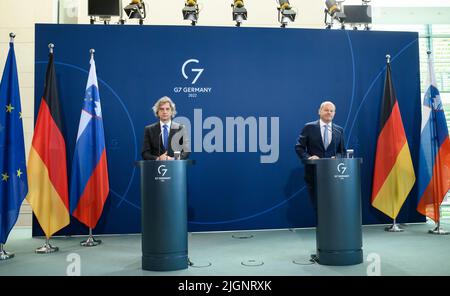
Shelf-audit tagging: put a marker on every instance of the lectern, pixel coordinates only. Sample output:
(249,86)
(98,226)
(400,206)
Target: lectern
(338,193)
(164,214)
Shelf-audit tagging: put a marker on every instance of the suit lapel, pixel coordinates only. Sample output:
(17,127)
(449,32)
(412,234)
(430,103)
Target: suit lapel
(334,137)
(173,130)
(171,133)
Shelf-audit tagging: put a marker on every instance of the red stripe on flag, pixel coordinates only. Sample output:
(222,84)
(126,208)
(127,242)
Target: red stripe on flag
(439,184)
(390,141)
(49,143)
(90,205)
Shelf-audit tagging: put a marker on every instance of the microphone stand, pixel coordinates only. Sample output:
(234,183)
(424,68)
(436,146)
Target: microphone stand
(159,141)
(341,144)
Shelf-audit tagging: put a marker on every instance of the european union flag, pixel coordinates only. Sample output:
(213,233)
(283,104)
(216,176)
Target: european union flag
(13,180)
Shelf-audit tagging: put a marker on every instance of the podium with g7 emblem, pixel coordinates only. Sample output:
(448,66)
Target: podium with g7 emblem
(164,214)
(338,193)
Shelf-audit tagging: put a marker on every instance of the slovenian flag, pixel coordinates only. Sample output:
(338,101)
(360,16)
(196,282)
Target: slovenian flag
(434,159)
(89,184)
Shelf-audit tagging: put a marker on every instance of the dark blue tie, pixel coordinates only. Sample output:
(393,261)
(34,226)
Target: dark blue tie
(165,137)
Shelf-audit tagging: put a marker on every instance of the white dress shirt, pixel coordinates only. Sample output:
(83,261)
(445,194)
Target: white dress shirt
(322,131)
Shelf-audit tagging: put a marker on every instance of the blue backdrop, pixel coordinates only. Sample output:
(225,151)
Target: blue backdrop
(245,94)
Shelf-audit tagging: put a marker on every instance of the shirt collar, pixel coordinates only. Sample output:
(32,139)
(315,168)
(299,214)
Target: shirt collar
(167,123)
(323,123)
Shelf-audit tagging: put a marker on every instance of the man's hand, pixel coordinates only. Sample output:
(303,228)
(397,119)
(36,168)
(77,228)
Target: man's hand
(314,157)
(163,157)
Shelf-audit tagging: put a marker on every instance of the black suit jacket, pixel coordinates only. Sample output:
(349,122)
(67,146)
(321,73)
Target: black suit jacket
(310,141)
(153,147)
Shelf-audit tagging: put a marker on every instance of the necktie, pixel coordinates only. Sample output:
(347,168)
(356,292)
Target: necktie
(165,137)
(326,141)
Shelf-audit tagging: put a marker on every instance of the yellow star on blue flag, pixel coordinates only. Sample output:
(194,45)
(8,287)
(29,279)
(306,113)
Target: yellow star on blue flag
(5,177)
(9,108)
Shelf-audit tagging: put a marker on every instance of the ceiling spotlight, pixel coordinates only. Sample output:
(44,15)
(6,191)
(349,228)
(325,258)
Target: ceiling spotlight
(334,10)
(191,11)
(357,15)
(285,13)
(239,12)
(136,10)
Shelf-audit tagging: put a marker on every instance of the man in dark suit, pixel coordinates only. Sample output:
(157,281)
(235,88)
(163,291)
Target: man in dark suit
(320,139)
(164,137)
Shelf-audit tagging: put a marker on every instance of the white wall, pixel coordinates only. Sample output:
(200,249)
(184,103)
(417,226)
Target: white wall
(19,17)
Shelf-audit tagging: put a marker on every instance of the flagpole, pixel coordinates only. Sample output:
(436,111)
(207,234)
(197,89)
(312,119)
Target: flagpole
(394,227)
(47,247)
(3,254)
(90,241)
(434,144)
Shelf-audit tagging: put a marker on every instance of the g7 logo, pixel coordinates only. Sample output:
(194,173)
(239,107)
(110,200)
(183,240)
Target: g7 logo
(162,170)
(199,71)
(341,168)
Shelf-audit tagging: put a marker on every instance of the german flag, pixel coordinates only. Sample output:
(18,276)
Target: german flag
(394,175)
(47,169)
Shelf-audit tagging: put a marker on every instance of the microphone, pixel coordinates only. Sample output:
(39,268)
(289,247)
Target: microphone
(177,138)
(341,143)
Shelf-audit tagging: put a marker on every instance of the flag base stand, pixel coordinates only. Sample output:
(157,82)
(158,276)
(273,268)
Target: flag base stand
(394,228)
(304,261)
(252,263)
(197,264)
(242,235)
(5,255)
(46,248)
(438,231)
(90,242)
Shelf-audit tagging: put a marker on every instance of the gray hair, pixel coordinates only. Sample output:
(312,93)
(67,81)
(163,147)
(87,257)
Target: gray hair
(326,103)
(161,101)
